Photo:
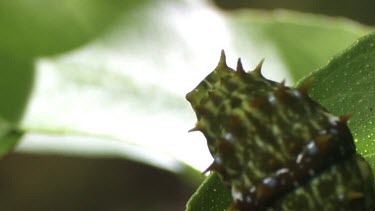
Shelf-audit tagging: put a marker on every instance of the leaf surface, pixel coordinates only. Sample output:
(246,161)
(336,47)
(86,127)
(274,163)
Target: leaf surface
(210,196)
(346,85)
(43,28)
(9,136)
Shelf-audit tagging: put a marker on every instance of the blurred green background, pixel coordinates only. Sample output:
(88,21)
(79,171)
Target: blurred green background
(53,182)
(361,10)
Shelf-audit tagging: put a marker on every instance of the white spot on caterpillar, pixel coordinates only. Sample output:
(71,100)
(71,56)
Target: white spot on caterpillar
(236,194)
(228,136)
(312,149)
(272,99)
(270,182)
(299,158)
(311,172)
(282,171)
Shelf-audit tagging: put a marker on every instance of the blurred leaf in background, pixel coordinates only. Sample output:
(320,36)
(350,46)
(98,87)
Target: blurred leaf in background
(357,10)
(129,84)
(40,28)
(9,134)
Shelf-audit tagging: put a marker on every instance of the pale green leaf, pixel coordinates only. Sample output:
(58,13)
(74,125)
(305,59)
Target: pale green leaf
(130,84)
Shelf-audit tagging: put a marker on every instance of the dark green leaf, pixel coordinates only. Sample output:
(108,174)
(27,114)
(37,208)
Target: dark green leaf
(9,136)
(16,80)
(210,196)
(346,85)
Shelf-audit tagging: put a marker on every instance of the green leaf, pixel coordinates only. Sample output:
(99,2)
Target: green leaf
(135,77)
(210,196)
(346,85)
(129,85)
(304,42)
(9,136)
(45,28)
(16,81)
(41,27)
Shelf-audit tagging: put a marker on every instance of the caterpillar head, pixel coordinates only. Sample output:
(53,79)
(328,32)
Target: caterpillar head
(210,91)
(203,90)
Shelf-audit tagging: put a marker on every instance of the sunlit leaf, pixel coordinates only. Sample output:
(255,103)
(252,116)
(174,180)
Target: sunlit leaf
(130,84)
(40,28)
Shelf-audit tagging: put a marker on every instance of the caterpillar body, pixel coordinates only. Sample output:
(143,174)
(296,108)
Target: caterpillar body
(276,148)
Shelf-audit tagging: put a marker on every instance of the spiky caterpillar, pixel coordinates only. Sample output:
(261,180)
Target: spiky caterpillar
(275,147)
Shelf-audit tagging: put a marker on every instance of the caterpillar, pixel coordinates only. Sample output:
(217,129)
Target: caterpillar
(275,148)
